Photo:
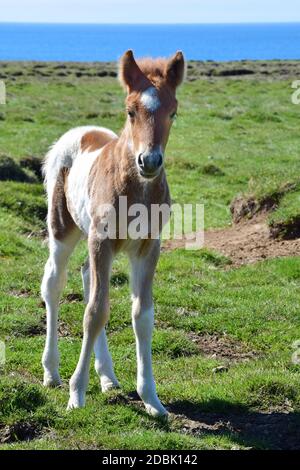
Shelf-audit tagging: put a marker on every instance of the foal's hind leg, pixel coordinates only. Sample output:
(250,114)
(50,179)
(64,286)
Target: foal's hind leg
(103,360)
(52,285)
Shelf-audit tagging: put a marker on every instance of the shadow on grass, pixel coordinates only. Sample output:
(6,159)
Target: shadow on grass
(254,429)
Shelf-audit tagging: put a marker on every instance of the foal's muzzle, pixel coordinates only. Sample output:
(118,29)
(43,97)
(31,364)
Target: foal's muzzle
(149,163)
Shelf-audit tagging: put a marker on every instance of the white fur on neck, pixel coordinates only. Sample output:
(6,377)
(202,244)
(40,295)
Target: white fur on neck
(150,99)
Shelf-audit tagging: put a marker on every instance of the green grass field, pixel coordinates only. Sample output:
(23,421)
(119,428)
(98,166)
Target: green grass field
(223,342)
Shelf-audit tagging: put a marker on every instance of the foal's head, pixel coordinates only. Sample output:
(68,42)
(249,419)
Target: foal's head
(151,107)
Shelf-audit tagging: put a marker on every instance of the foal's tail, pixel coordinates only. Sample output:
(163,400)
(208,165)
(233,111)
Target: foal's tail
(61,155)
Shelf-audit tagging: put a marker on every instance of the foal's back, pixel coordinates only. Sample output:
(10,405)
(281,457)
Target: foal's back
(67,167)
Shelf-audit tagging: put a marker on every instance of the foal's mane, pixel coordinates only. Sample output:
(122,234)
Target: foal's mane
(154,69)
(159,71)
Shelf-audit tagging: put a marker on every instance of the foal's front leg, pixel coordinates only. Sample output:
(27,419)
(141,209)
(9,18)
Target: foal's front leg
(143,268)
(103,360)
(95,317)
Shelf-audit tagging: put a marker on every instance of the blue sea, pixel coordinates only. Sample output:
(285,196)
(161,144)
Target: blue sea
(82,42)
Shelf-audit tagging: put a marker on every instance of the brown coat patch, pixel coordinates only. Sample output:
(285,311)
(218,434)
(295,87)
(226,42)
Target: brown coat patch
(94,140)
(60,218)
(117,171)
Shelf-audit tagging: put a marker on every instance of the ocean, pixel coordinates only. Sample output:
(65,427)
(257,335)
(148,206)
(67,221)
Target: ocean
(82,42)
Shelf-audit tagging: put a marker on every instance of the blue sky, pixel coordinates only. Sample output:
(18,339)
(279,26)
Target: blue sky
(149,11)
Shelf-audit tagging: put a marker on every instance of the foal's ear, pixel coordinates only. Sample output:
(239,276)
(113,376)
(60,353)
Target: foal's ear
(130,75)
(175,70)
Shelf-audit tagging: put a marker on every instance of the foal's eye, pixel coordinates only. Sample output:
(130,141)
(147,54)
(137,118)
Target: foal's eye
(173,115)
(131,114)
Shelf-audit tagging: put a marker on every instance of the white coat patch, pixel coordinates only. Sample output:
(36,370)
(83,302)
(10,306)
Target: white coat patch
(150,99)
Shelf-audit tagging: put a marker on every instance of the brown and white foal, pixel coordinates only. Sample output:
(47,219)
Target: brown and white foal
(90,168)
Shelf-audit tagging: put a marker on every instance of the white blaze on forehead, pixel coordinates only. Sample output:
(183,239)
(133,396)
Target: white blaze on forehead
(150,99)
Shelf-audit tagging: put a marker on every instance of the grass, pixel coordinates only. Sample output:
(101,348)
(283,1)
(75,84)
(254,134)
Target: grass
(248,131)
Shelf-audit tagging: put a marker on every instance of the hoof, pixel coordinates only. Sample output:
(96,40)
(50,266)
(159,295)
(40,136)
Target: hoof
(75,401)
(52,380)
(107,385)
(156,410)
(152,403)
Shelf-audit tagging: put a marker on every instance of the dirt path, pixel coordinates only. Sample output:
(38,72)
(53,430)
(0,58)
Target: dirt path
(245,242)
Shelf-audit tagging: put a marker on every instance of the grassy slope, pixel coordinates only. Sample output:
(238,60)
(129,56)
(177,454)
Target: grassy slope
(250,131)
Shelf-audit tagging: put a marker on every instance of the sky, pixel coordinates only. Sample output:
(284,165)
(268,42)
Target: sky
(149,11)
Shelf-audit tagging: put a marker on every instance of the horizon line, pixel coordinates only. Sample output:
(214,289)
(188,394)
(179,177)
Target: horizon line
(149,23)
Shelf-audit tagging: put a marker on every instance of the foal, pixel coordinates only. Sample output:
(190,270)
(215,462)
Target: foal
(88,169)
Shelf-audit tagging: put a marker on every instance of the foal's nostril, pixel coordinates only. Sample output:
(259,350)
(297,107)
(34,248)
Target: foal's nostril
(159,161)
(140,161)
(149,163)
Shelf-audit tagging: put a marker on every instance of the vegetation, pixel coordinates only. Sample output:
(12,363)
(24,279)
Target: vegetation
(224,336)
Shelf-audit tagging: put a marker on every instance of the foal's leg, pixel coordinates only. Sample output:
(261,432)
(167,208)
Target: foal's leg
(143,320)
(103,362)
(95,316)
(52,285)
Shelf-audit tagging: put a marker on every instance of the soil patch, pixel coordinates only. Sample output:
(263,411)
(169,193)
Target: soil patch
(287,230)
(244,243)
(71,298)
(40,329)
(21,293)
(247,207)
(119,398)
(20,431)
(11,171)
(274,430)
(33,164)
(250,242)
(222,347)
